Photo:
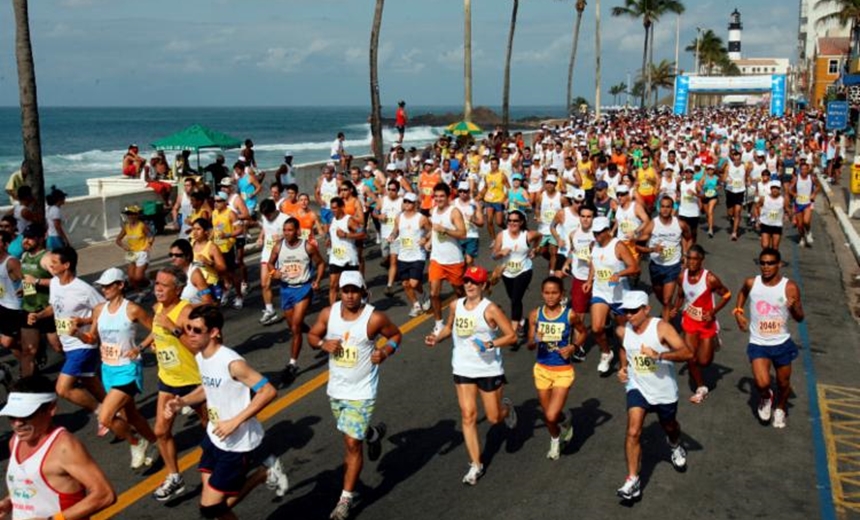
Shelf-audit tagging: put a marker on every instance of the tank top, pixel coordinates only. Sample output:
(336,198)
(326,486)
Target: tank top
(185,211)
(518,261)
(603,208)
(581,242)
(272,231)
(328,191)
(225,399)
(409,234)
(426,183)
(116,332)
(689,205)
(768,313)
(757,170)
(654,379)
(535,177)
(135,236)
(606,263)
(467,209)
(772,211)
(444,249)
(549,206)
(669,187)
(351,374)
(189,292)
(647,181)
(176,365)
(627,221)
(710,186)
(35,296)
(788,165)
(736,178)
(586,174)
(804,190)
(466,359)
(555,335)
(294,263)
(246,190)
(389,210)
(669,236)
(565,228)
(770,161)
(18,213)
(343,250)
(223,228)
(698,296)
(8,290)
(209,272)
(495,187)
(31,494)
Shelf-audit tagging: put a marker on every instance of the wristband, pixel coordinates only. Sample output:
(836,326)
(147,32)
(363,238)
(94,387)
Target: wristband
(737,310)
(260,384)
(393,344)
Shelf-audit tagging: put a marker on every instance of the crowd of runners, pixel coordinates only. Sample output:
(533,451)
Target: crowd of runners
(598,201)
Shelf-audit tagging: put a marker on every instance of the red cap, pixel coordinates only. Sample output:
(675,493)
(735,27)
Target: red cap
(476,273)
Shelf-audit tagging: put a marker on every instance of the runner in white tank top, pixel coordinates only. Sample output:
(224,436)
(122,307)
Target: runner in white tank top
(446,258)
(773,299)
(803,189)
(772,211)
(411,232)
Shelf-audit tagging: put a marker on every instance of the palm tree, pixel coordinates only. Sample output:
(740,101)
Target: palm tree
(580,7)
(846,12)
(650,12)
(662,76)
(711,51)
(29,104)
(375,108)
(506,93)
(467,60)
(617,90)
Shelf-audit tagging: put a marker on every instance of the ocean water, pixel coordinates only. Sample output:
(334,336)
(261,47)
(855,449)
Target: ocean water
(82,143)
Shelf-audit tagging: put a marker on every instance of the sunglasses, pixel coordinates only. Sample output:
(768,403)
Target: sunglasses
(470,281)
(515,220)
(630,312)
(768,262)
(176,255)
(195,330)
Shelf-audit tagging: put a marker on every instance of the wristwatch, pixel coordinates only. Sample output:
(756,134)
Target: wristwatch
(177,332)
(490,345)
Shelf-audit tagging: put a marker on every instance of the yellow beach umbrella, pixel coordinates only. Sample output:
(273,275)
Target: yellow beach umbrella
(463,128)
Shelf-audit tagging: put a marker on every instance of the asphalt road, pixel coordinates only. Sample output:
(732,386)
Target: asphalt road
(738,468)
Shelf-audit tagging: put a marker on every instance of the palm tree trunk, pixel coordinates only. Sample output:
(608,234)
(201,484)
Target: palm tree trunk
(376,109)
(506,93)
(467,60)
(650,58)
(29,104)
(597,60)
(644,64)
(573,61)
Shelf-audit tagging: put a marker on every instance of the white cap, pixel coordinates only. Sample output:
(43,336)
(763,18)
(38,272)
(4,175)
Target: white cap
(111,275)
(351,278)
(759,153)
(226,181)
(367,168)
(774,184)
(20,404)
(697,162)
(429,161)
(634,300)
(576,193)
(622,188)
(473,148)
(462,186)
(600,224)
(391,167)
(411,197)
(551,178)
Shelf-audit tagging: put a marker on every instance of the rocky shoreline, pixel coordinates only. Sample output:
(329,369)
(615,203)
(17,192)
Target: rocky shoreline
(481,116)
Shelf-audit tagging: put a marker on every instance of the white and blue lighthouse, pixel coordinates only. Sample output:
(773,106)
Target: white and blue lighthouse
(735,28)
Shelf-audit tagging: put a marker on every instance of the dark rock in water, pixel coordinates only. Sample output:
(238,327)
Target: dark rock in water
(481,116)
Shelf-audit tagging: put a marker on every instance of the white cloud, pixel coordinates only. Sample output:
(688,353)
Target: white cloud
(288,59)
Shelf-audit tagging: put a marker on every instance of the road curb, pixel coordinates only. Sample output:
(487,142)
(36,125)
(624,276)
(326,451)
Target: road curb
(844,222)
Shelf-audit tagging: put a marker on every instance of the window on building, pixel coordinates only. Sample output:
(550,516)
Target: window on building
(773,69)
(833,67)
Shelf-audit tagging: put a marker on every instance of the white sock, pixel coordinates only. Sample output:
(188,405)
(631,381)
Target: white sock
(293,361)
(346,494)
(553,440)
(439,324)
(270,307)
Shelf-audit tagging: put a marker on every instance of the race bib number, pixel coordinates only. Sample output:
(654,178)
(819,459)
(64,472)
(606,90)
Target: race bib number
(2,291)
(688,199)
(710,193)
(583,253)
(269,243)
(427,191)
(64,326)
(346,356)
(669,252)
(737,184)
(802,199)
(644,365)
(550,331)
(774,215)
(212,414)
(627,227)
(547,216)
(770,327)
(29,289)
(292,269)
(789,170)
(464,325)
(167,356)
(110,353)
(407,243)
(326,198)
(306,233)
(603,275)
(514,266)
(389,220)
(339,252)
(694,313)
(441,235)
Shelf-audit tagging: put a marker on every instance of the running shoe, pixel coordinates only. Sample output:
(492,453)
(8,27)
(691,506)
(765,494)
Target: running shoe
(151,454)
(779,418)
(267,317)
(276,477)
(630,490)
(437,329)
(288,375)
(425,305)
(475,472)
(138,453)
(809,239)
(803,242)
(679,457)
(566,430)
(238,304)
(710,233)
(416,310)
(700,395)
(341,510)
(186,411)
(389,291)
(244,287)
(764,408)
(172,487)
(225,297)
(554,449)
(578,355)
(511,418)
(605,362)
(374,447)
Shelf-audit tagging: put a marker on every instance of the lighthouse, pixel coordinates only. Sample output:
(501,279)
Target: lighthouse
(735,27)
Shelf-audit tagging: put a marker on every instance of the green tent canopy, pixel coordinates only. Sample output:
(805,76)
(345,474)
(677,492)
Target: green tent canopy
(196,137)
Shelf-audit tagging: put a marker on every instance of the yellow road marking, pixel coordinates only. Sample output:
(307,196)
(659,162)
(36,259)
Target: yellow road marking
(840,419)
(148,485)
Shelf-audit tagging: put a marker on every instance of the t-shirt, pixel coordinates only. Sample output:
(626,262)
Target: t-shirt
(16,180)
(73,300)
(54,213)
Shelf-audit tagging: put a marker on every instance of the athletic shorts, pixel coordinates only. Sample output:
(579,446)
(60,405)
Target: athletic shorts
(469,247)
(230,259)
(498,207)
(649,200)
(353,416)
(780,355)
(614,308)
(44,325)
(410,270)
(180,391)
(579,299)
(326,215)
(137,258)
(664,274)
(292,295)
(400,129)
(227,469)
(81,362)
(11,321)
(126,378)
(453,273)
(665,412)
(240,242)
(547,377)
(708,200)
(703,329)
(389,248)
(631,246)
(548,240)
(484,384)
(734,199)
(800,208)
(337,269)
(770,230)
(693,222)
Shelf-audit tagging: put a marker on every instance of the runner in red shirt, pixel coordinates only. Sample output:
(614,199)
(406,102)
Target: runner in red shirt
(400,120)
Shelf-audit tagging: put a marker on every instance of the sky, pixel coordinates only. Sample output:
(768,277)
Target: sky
(314,52)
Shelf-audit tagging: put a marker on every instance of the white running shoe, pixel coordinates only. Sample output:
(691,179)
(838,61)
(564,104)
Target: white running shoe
(276,477)
(244,287)
(764,408)
(803,242)
(779,418)
(605,362)
(630,490)
(511,418)
(554,449)
(416,310)
(809,239)
(138,453)
(679,457)
(267,315)
(566,430)
(437,329)
(475,472)
(425,305)
(341,510)
(238,304)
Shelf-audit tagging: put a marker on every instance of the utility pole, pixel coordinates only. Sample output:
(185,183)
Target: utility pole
(629,88)
(677,42)
(597,60)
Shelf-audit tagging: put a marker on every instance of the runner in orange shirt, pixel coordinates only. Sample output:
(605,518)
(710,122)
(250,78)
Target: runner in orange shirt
(427,180)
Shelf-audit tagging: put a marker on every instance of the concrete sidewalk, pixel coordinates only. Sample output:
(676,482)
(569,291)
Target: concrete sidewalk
(95,258)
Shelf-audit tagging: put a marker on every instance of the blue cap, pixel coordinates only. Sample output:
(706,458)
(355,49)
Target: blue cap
(517,177)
